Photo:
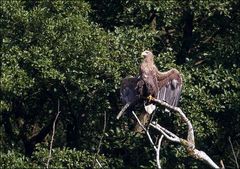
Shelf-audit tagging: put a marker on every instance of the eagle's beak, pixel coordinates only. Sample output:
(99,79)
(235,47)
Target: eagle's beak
(144,54)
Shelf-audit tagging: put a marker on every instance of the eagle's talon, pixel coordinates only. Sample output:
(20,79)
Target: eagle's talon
(150,98)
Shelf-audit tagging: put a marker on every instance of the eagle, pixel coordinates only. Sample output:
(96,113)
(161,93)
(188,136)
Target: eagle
(165,86)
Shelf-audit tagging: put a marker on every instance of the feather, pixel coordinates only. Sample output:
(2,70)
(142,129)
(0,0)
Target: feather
(164,86)
(149,108)
(148,72)
(128,93)
(170,85)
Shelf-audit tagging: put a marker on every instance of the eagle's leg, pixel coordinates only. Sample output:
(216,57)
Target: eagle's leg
(148,106)
(150,98)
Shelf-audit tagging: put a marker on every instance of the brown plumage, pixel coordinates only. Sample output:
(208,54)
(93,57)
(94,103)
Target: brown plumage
(161,85)
(170,86)
(148,75)
(164,86)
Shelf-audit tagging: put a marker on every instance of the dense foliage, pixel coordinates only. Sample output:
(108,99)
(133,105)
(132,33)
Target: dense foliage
(72,55)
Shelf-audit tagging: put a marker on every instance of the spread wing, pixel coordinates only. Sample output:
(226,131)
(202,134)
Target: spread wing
(170,86)
(169,89)
(128,93)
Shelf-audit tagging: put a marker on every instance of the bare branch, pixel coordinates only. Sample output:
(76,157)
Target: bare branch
(168,134)
(53,133)
(234,155)
(104,130)
(149,136)
(100,142)
(157,149)
(190,137)
(99,163)
(222,164)
(188,144)
(158,152)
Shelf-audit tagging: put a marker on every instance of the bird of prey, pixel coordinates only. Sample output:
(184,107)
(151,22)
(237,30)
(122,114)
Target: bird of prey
(164,86)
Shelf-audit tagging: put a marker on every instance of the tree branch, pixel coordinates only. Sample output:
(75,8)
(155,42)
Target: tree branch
(234,154)
(157,149)
(158,152)
(190,136)
(53,133)
(100,142)
(168,134)
(149,136)
(188,144)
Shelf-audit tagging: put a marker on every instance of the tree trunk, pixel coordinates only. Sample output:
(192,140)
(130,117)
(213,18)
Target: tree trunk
(187,36)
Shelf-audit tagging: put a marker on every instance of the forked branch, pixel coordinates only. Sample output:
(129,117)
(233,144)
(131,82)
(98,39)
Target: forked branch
(188,144)
(156,148)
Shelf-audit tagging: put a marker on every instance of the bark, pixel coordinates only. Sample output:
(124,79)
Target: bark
(144,119)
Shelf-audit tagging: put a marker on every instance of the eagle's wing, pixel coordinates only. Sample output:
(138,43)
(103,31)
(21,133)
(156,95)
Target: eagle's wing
(128,93)
(169,90)
(170,86)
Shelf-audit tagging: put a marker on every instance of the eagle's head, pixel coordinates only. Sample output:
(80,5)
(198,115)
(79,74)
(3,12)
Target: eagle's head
(147,55)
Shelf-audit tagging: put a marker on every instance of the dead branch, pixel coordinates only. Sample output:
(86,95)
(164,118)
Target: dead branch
(147,132)
(190,136)
(158,151)
(101,139)
(53,133)
(188,144)
(234,154)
